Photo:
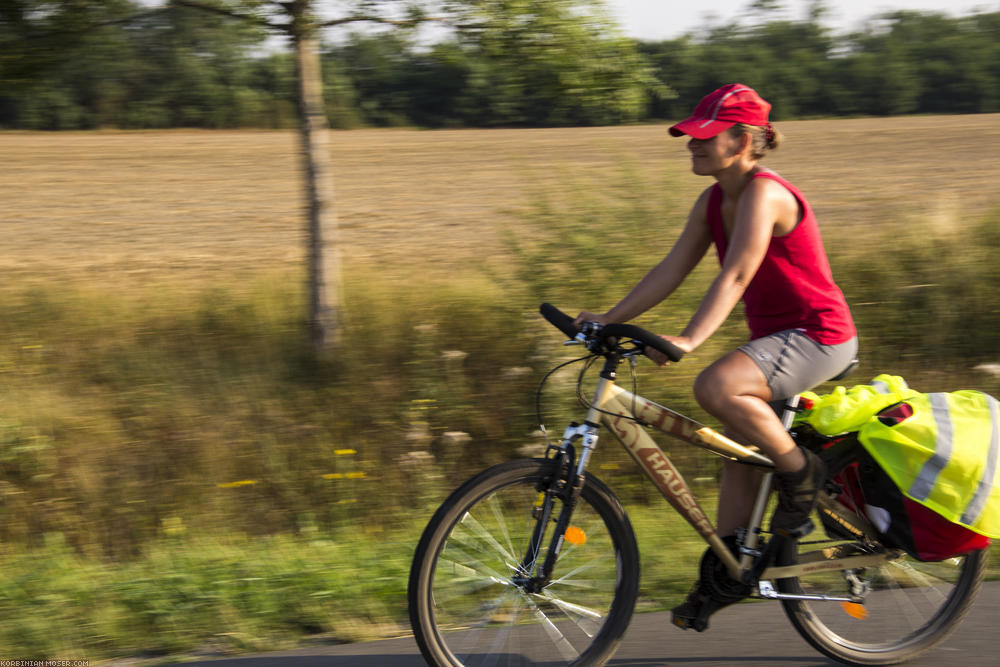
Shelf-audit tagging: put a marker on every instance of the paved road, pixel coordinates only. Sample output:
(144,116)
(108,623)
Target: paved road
(740,636)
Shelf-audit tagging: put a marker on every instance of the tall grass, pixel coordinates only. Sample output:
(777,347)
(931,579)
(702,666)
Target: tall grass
(178,467)
(124,411)
(924,297)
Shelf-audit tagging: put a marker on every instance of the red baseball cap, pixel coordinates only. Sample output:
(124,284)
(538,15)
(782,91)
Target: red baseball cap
(723,108)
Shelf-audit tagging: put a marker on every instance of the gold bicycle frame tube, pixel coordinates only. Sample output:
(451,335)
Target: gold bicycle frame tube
(614,406)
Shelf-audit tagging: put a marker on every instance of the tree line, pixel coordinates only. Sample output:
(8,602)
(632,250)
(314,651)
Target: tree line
(516,65)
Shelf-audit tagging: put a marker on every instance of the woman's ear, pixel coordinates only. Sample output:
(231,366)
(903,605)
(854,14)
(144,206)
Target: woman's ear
(737,144)
(745,142)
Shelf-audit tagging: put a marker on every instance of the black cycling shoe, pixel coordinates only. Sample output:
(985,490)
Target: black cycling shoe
(714,590)
(693,613)
(797,495)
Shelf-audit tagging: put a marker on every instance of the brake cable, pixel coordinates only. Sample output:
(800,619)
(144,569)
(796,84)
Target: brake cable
(590,359)
(541,385)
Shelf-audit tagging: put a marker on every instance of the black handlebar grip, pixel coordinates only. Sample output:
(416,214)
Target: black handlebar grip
(564,323)
(647,338)
(559,320)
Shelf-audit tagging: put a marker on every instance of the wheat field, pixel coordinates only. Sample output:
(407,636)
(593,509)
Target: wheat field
(114,207)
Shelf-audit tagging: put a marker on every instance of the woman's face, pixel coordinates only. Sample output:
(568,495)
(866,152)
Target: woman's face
(710,156)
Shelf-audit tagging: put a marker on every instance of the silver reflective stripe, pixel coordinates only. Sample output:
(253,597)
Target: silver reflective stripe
(978,502)
(718,105)
(880,386)
(942,454)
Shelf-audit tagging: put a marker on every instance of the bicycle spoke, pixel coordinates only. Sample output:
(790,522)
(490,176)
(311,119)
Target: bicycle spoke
(474,530)
(558,638)
(588,620)
(501,636)
(922,577)
(569,578)
(465,588)
(501,522)
(465,564)
(905,609)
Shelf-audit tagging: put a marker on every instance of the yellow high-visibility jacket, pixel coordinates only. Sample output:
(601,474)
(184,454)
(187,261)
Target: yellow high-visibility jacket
(945,456)
(844,410)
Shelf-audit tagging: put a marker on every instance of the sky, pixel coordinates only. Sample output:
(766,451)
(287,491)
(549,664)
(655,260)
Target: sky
(665,19)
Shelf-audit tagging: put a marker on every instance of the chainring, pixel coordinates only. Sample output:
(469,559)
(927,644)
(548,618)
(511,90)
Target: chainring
(716,581)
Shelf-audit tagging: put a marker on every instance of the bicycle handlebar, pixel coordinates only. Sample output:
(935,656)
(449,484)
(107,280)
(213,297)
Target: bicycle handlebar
(564,323)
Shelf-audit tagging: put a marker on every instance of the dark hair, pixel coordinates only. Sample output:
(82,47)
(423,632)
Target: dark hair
(764,138)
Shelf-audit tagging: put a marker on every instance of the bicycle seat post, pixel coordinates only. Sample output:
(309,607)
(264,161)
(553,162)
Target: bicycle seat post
(752,537)
(788,415)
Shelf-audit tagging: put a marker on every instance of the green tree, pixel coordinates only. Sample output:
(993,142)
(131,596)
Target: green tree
(272,76)
(87,64)
(557,62)
(438,81)
(377,69)
(37,39)
(787,60)
(190,69)
(947,57)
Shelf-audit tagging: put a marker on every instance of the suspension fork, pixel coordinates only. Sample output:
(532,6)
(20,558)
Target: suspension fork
(566,484)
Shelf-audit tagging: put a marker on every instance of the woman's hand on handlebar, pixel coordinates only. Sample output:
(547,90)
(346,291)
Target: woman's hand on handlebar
(660,359)
(585,317)
(682,342)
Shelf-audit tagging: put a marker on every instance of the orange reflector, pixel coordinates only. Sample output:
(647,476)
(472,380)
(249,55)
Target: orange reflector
(576,536)
(855,610)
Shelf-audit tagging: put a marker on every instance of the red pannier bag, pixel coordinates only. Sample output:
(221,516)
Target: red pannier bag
(902,523)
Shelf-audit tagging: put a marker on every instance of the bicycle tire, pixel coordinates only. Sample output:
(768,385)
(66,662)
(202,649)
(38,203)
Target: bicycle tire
(911,607)
(465,609)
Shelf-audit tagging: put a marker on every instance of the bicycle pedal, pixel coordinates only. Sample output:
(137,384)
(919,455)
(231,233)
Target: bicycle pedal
(702,607)
(684,623)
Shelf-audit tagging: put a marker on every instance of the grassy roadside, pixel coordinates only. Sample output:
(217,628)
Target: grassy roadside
(232,593)
(220,595)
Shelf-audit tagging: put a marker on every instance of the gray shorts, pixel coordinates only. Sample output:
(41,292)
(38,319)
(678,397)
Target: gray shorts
(792,362)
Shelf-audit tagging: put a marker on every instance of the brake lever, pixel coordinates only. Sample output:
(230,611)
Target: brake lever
(638,350)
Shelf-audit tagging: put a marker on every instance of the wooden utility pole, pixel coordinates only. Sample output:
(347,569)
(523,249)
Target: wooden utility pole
(325,308)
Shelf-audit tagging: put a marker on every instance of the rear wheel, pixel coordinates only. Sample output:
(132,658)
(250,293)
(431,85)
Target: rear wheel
(909,606)
(472,599)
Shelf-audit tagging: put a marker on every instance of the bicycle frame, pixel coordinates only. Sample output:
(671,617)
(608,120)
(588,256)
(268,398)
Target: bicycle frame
(625,414)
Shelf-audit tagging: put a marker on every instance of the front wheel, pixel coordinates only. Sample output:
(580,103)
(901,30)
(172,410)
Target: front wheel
(909,606)
(472,599)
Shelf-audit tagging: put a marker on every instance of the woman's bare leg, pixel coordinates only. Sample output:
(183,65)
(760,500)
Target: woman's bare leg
(737,493)
(735,391)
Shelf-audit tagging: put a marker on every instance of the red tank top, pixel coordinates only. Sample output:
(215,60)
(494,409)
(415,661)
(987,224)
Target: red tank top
(793,288)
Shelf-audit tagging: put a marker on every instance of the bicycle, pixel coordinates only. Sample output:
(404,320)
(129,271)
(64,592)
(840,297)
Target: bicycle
(534,561)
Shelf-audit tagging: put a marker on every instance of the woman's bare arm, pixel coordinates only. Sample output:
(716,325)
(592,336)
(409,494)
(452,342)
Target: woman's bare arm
(760,206)
(661,281)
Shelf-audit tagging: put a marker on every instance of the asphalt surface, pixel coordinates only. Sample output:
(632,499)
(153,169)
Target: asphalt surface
(745,635)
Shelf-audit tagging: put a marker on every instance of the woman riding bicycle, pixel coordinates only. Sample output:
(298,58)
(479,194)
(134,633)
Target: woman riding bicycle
(801,330)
